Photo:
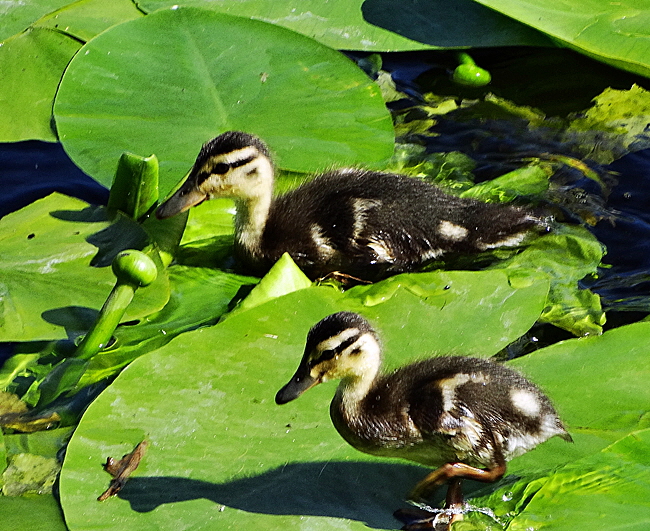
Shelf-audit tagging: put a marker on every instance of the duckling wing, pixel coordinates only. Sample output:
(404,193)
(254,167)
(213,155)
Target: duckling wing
(358,221)
(482,407)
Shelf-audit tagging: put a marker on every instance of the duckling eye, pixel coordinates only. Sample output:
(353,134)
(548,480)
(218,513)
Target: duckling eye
(220,168)
(327,354)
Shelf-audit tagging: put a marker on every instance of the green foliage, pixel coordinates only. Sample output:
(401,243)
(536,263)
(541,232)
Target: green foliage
(16,16)
(169,81)
(205,404)
(32,513)
(604,476)
(135,185)
(67,245)
(29,473)
(616,34)
(279,467)
(207,81)
(567,255)
(623,114)
(380,25)
(33,61)
(31,64)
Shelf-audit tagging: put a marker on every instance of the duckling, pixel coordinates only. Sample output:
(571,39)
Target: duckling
(362,223)
(465,416)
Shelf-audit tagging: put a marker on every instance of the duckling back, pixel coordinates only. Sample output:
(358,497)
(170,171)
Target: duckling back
(372,225)
(449,409)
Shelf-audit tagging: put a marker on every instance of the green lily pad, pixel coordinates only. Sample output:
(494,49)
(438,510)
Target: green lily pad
(16,16)
(616,33)
(32,513)
(609,488)
(47,280)
(189,74)
(381,25)
(31,64)
(86,18)
(223,454)
(41,38)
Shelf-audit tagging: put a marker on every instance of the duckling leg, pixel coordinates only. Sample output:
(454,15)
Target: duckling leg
(457,470)
(454,499)
(420,518)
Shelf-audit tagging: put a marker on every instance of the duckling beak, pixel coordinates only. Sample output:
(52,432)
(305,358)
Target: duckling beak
(185,197)
(301,382)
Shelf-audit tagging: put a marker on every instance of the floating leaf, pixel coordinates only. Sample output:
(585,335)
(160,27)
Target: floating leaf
(31,65)
(220,444)
(83,20)
(16,16)
(206,81)
(32,513)
(57,240)
(615,33)
(380,25)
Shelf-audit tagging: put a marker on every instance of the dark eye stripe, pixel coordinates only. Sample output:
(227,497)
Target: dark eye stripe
(347,343)
(242,162)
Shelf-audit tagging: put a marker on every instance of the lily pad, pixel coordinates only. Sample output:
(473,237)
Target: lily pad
(381,25)
(33,513)
(199,296)
(41,38)
(85,19)
(610,488)
(31,63)
(48,250)
(615,33)
(189,74)
(16,16)
(220,445)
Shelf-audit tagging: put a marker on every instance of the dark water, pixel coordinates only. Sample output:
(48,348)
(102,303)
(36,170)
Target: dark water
(31,170)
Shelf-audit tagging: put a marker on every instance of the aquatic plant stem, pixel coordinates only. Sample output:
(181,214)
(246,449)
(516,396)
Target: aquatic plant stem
(133,269)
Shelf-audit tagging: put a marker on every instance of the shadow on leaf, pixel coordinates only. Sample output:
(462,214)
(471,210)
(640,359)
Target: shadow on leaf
(440,23)
(75,319)
(365,492)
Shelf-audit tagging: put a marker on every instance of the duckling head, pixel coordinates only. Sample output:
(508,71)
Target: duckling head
(343,346)
(235,165)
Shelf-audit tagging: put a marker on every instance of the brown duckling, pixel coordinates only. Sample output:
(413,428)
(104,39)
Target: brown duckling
(465,416)
(362,223)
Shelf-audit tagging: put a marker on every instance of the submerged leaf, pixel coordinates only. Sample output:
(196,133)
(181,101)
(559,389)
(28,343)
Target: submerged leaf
(11,403)
(29,423)
(616,124)
(567,255)
(29,473)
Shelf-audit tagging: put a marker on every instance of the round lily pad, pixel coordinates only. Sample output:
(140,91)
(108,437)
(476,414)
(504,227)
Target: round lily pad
(170,81)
